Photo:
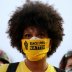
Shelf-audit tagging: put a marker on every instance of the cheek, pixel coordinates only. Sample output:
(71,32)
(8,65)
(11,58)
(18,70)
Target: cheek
(1,63)
(69,64)
(67,67)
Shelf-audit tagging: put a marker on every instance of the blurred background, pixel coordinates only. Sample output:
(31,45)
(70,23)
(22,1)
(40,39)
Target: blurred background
(64,7)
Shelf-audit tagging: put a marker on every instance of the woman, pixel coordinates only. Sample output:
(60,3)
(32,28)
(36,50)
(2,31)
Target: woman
(66,62)
(35,29)
(3,58)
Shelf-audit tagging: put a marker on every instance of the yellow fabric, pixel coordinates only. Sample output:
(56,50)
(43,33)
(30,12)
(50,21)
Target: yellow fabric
(3,68)
(35,49)
(23,68)
(50,68)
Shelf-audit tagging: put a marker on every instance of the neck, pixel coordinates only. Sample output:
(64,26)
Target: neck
(40,65)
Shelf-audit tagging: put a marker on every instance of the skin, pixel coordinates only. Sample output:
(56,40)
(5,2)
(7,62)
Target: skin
(34,31)
(69,63)
(1,63)
(41,65)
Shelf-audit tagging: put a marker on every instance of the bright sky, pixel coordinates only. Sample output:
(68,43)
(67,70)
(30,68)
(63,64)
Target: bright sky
(64,7)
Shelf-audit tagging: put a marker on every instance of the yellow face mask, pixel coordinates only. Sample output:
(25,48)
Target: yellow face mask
(35,49)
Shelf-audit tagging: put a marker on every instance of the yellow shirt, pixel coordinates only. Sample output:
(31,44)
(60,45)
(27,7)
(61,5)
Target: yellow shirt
(23,68)
(3,68)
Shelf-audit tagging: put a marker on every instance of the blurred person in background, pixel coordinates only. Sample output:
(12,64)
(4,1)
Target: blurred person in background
(66,62)
(3,58)
(36,30)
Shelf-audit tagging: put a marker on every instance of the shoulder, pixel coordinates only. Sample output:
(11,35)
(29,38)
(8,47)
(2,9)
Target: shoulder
(4,67)
(59,70)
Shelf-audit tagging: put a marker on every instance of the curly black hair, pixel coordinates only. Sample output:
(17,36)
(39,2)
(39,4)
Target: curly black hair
(36,14)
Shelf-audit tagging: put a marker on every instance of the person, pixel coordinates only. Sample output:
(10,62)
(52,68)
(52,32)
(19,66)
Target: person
(35,29)
(3,58)
(66,62)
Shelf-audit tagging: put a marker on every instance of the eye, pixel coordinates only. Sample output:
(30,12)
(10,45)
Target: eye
(41,35)
(27,36)
(70,65)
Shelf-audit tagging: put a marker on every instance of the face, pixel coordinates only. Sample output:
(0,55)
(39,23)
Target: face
(35,49)
(1,63)
(34,32)
(69,63)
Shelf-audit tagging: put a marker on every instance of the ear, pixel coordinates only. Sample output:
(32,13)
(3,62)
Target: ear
(50,45)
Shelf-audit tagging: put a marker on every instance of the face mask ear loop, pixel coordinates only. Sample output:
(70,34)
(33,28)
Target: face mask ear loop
(50,45)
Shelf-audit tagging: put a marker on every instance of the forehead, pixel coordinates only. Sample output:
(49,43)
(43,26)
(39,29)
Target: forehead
(69,60)
(34,28)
